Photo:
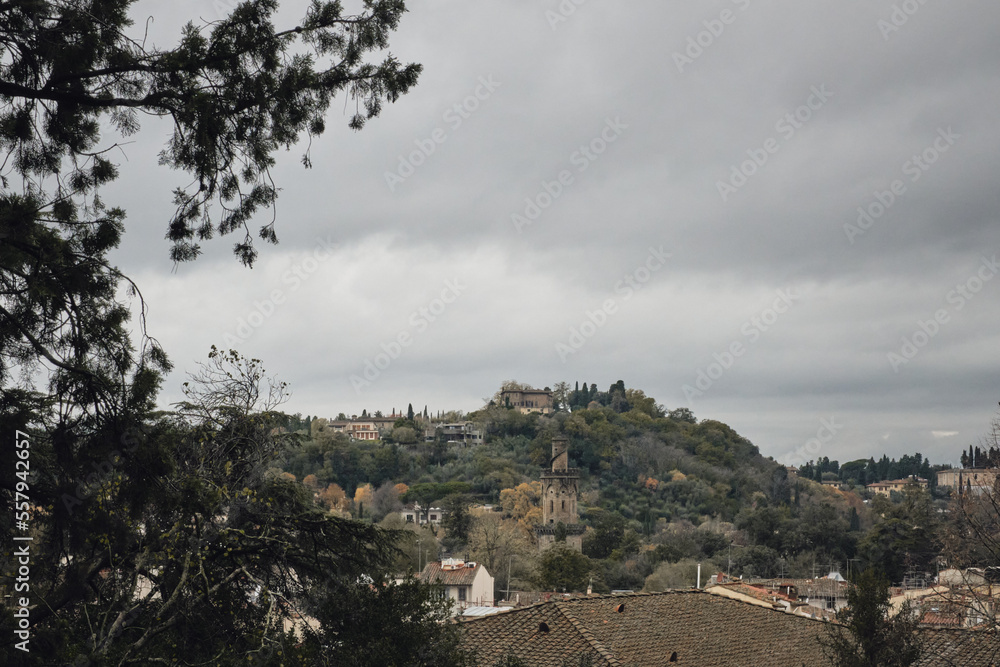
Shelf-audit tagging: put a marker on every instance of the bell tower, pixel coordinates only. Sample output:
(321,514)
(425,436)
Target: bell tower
(560,489)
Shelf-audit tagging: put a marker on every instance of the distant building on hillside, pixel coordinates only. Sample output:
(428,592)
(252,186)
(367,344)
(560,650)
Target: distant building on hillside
(384,424)
(357,429)
(528,400)
(968,480)
(560,489)
(414,513)
(466,433)
(887,487)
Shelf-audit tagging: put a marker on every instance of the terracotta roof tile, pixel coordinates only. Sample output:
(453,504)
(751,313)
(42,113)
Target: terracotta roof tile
(434,574)
(647,629)
(960,648)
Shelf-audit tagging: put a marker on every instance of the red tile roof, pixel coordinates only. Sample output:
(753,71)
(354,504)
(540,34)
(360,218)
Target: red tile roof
(758,593)
(936,618)
(463,576)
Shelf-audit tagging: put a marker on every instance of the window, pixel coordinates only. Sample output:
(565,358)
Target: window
(434,517)
(552,506)
(461,593)
(564,504)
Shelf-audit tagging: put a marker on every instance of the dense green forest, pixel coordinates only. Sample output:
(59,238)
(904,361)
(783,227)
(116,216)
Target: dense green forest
(660,491)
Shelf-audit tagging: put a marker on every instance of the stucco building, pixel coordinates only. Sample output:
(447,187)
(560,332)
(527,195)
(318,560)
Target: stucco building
(968,480)
(528,400)
(466,433)
(899,485)
(414,513)
(357,429)
(468,584)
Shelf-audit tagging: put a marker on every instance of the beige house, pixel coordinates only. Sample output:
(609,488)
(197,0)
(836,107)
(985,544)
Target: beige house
(468,584)
(887,487)
(528,400)
(358,429)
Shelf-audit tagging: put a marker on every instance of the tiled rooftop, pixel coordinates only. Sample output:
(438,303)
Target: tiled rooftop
(686,627)
(433,573)
(960,648)
(636,630)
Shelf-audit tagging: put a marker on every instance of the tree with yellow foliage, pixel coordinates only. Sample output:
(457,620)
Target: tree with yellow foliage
(523,503)
(335,499)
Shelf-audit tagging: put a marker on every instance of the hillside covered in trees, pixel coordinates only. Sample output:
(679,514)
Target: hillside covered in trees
(660,491)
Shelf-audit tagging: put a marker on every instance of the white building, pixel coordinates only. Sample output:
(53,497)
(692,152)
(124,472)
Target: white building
(467,584)
(414,513)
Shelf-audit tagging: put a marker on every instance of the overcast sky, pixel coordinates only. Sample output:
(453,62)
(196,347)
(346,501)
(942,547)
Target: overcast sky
(780,215)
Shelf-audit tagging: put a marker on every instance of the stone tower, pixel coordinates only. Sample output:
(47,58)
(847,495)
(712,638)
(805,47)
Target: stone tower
(560,488)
